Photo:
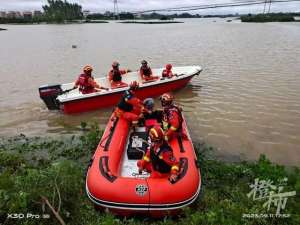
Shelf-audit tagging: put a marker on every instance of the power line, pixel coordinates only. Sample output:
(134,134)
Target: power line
(210,6)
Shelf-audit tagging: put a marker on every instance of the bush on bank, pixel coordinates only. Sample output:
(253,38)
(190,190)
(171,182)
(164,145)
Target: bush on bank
(270,17)
(32,169)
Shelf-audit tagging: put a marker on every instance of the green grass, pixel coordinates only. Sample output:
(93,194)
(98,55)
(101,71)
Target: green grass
(55,168)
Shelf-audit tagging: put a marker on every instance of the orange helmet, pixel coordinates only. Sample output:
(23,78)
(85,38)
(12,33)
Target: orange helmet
(156,134)
(166,99)
(87,68)
(134,85)
(115,64)
(169,66)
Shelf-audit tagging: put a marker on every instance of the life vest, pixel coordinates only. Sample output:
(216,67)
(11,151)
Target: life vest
(123,105)
(146,71)
(166,73)
(159,164)
(116,75)
(84,86)
(167,114)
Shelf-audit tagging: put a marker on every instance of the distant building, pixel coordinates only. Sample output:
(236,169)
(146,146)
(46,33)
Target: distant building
(27,15)
(2,14)
(19,14)
(86,13)
(11,14)
(108,14)
(37,13)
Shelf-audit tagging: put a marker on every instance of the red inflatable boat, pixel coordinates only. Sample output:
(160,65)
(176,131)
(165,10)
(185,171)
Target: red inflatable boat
(113,181)
(72,101)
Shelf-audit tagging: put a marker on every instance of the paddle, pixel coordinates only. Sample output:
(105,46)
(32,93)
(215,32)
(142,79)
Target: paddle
(67,91)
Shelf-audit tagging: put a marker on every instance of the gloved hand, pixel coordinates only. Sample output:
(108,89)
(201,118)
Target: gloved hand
(141,165)
(173,178)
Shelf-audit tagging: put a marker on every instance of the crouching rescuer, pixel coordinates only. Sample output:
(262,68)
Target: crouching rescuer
(130,107)
(159,160)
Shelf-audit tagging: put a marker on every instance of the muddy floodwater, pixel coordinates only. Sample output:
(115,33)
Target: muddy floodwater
(245,102)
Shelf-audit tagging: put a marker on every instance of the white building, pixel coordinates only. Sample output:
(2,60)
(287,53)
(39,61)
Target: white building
(2,14)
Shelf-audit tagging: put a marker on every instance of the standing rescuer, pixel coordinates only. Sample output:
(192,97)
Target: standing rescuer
(146,72)
(172,117)
(115,76)
(159,159)
(86,82)
(130,107)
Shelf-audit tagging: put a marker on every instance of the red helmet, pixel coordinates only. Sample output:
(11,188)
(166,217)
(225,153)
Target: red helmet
(169,66)
(156,134)
(87,68)
(166,99)
(134,85)
(115,64)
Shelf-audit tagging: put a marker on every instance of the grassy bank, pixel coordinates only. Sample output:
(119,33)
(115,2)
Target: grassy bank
(33,170)
(270,17)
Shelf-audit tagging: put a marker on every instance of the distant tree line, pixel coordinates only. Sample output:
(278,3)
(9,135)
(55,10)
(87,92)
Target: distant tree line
(57,11)
(270,17)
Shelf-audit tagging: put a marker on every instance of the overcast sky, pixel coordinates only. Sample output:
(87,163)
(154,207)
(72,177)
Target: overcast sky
(133,5)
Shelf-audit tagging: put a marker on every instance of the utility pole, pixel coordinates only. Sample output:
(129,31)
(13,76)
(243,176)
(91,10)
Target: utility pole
(265,6)
(116,10)
(270,6)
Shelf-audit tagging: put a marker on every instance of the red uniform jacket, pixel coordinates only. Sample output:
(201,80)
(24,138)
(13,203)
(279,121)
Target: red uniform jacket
(163,160)
(172,121)
(167,73)
(86,84)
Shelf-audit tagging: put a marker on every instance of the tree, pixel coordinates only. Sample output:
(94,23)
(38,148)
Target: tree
(60,11)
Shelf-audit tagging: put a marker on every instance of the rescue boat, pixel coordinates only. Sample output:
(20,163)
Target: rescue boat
(113,181)
(63,97)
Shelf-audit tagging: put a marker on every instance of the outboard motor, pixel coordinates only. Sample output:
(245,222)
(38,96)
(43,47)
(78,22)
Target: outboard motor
(49,93)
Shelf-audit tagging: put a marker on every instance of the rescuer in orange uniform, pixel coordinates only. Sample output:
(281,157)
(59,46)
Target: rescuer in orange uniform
(115,76)
(86,82)
(167,72)
(146,72)
(159,159)
(172,117)
(130,107)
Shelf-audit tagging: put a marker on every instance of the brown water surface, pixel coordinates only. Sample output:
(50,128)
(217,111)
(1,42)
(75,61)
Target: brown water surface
(246,101)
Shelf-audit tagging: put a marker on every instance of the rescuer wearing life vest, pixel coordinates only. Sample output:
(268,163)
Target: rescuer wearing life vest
(167,72)
(159,159)
(86,82)
(151,116)
(130,107)
(172,117)
(115,76)
(146,72)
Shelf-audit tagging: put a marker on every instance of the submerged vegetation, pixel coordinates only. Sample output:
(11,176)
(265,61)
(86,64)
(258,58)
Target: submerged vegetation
(39,173)
(270,17)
